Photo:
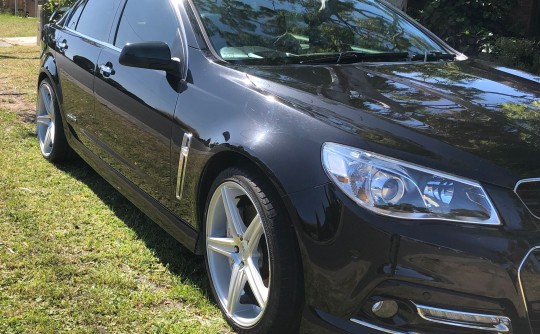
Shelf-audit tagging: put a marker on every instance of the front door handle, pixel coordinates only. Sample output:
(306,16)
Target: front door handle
(106,69)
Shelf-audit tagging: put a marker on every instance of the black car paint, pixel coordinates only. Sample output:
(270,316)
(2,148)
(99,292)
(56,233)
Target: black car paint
(276,118)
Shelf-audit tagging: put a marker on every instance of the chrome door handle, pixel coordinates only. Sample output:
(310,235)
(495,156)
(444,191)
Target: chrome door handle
(62,46)
(106,70)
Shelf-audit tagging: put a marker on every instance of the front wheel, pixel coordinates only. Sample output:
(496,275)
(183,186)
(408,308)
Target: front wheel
(251,255)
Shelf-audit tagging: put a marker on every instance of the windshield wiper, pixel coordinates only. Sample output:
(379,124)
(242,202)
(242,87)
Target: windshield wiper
(432,56)
(348,57)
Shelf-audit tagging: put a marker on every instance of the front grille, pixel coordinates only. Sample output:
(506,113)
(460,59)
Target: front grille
(530,283)
(529,192)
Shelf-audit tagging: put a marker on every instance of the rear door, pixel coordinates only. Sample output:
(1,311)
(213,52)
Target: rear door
(134,107)
(78,46)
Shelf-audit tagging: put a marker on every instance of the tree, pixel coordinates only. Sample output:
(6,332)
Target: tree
(467,25)
(401,4)
(51,6)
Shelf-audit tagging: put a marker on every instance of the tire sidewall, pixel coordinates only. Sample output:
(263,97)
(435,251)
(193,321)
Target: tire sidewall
(60,148)
(271,315)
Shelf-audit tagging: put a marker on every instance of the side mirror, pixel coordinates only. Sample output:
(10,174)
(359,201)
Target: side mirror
(150,55)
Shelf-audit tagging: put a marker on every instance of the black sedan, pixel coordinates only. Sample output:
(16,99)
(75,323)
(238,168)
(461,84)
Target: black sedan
(341,169)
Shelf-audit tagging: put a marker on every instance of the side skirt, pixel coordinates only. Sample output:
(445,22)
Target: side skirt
(175,226)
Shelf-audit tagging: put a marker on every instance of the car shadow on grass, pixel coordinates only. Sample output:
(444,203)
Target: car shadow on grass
(173,255)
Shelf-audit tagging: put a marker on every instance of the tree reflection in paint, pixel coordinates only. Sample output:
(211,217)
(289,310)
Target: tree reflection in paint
(311,26)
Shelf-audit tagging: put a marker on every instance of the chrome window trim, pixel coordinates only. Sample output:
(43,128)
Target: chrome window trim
(104,44)
(520,182)
(69,13)
(377,328)
(521,290)
(182,164)
(178,6)
(502,327)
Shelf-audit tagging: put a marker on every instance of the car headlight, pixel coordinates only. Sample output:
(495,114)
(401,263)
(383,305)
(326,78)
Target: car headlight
(398,189)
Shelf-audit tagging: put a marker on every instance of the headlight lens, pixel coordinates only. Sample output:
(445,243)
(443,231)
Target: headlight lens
(394,188)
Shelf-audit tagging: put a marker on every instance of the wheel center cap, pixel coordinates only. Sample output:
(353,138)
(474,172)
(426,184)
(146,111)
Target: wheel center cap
(241,249)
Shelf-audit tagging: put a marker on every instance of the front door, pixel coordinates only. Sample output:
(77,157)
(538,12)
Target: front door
(134,107)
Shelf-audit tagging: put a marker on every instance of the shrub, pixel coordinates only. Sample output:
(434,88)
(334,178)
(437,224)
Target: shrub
(517,52)
(51,6)
(467,25)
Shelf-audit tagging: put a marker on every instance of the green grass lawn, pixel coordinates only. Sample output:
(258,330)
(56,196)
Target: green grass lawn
(14,26)
(75,256)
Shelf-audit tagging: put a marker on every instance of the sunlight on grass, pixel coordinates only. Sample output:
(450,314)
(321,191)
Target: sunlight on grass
(76,256)
(14,26)
(19,72)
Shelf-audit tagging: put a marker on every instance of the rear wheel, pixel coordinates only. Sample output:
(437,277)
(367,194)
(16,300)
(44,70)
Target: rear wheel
(50,132)
(251,255)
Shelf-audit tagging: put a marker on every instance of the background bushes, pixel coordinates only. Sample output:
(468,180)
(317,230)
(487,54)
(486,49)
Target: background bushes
(518,53)
(467,25)
(51,6)
(492,30)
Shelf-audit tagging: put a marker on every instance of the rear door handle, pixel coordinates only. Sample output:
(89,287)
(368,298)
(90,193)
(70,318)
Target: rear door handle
(62,46)
(106,69)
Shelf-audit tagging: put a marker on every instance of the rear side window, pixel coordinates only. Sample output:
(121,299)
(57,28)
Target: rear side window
(96,18)
(72,23)
(146,21)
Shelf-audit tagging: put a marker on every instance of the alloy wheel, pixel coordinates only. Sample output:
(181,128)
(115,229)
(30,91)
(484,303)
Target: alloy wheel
(45,119)
(237,253)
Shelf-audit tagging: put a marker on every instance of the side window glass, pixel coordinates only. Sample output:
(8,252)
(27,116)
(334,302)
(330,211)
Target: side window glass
(96,18)
(72,23)
(147,21)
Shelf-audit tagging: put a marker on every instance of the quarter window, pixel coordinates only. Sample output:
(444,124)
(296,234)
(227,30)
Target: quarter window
(76,14)
(96,18)
(146,21)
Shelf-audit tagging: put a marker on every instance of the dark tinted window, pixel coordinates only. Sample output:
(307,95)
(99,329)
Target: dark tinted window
(145,21)
(76,13)
(96,18)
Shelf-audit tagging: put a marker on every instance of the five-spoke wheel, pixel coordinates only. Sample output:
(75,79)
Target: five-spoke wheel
(50,133)
(45,118)
(237,253)
(250,253)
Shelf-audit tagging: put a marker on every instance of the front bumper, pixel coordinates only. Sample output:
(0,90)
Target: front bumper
(353,258)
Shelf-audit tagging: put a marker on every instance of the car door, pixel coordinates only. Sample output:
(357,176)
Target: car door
(78,46)
(134,107)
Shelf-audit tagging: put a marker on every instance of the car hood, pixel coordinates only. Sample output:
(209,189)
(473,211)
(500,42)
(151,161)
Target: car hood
(466,117)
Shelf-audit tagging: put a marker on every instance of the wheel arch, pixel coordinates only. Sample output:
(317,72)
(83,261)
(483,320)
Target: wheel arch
(49,71)
(294,272)
(229,159)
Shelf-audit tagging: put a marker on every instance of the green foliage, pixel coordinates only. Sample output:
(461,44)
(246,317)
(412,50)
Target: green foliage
(51,6)
(518,52)
(467,25)
(475,26)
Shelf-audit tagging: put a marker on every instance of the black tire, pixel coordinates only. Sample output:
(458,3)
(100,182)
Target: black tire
(285,288)
(57,150)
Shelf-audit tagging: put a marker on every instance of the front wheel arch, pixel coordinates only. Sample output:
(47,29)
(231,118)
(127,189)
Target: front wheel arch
(282,234)
(217,164)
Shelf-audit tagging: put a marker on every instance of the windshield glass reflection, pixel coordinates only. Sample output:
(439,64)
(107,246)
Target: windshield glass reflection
(269,30)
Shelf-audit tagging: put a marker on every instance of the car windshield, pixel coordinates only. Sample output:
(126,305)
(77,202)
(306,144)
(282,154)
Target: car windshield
(310,31)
